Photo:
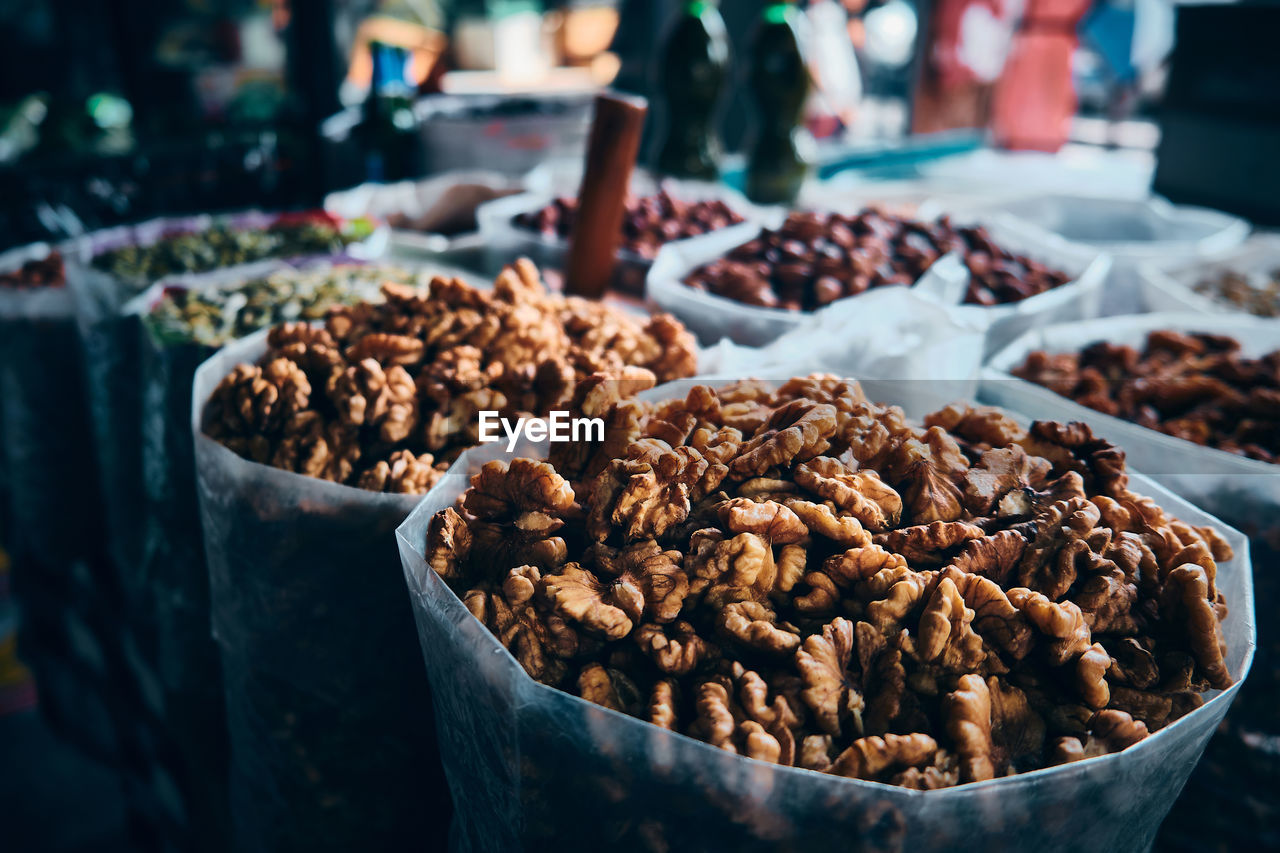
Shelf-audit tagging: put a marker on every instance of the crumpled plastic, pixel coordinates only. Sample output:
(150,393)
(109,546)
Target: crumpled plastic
(1242,762)
(531,767)
(1133,231)
(714,317)
(329,717)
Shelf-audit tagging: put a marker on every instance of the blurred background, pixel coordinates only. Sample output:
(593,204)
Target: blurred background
(117,110)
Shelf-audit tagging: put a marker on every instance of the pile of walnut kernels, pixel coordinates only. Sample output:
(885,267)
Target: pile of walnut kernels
(386,395)
(804,577)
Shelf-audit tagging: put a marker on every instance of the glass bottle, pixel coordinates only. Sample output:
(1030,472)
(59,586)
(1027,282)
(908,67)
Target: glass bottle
(388,128)
(779,84)
(691,75)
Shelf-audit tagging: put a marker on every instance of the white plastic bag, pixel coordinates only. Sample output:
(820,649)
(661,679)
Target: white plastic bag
(1172,287)
(328,715)
(531,767)
(1133,231)
(412,199)
(713,317)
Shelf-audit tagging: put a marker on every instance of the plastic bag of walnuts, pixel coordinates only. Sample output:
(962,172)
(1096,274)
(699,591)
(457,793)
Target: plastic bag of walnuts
(911,691)
(329,715)
(185,320)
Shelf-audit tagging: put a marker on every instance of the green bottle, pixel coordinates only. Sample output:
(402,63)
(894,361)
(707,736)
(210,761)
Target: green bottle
(691,76)
(778,80)
(388,129)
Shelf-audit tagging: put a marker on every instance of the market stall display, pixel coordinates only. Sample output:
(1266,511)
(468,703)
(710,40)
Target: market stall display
(106,270)
(753,284)
(650,222)
(328,712)
(795,574)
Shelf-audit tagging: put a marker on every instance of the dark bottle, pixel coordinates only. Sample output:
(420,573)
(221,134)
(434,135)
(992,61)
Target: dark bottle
(388,129)
(779,83)
(691,75)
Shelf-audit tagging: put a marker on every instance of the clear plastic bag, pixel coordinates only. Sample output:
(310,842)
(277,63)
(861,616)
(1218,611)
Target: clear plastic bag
(713,317)
(1233,794)
(329,719)
(531,767)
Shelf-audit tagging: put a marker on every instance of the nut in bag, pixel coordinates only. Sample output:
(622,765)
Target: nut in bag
(1230,800)
(106,271)
(1132,231)
(515,749)
(328,715)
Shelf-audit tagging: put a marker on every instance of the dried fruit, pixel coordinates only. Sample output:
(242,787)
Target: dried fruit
(1197,387)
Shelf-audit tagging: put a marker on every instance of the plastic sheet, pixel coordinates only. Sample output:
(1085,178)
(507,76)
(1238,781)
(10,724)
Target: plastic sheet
(1172,288)
(412,199)
(531,767)
(1133,231)
(713,317)
(328,712)
(898,335)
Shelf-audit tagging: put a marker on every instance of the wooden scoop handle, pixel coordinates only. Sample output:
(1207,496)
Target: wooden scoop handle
(597,227)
